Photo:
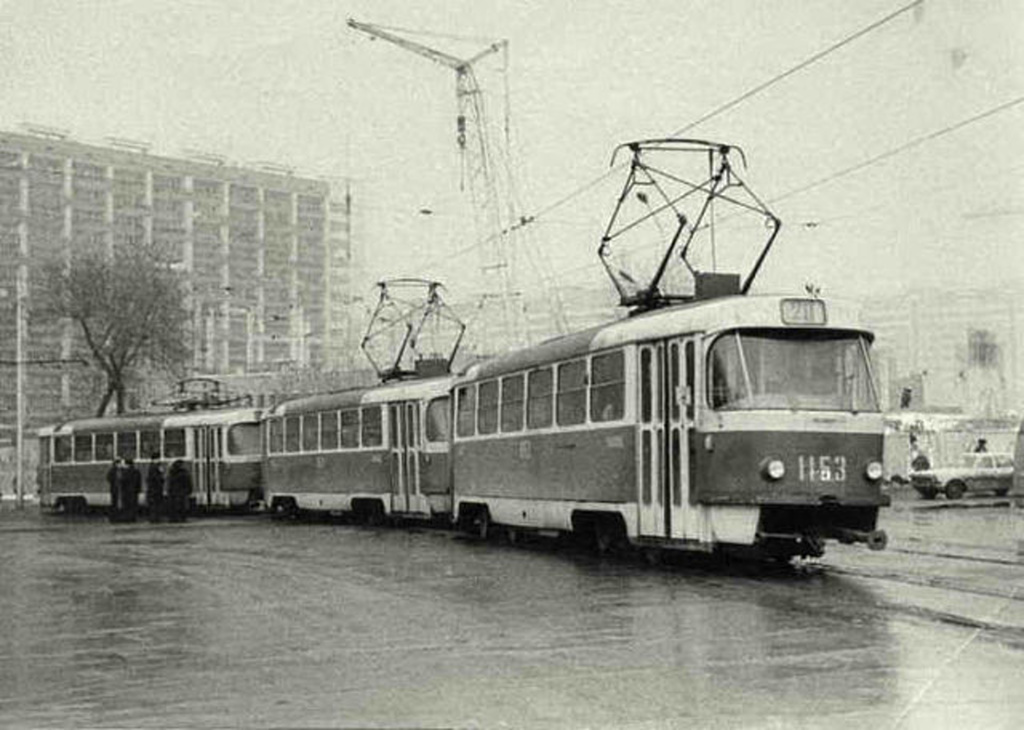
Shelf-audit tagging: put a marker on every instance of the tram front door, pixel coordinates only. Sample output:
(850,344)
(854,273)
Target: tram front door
(666,399)
(404,418)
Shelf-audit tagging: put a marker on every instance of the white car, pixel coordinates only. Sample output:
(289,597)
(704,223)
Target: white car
(976,473)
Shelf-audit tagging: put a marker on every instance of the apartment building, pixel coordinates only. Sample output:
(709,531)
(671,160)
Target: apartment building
(266,255)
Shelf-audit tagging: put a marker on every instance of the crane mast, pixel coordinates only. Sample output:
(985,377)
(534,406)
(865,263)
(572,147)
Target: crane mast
(492,194)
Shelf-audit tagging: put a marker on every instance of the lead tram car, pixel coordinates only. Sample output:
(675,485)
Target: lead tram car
(739,422)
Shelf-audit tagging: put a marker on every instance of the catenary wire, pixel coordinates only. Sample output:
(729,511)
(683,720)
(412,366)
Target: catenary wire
(713,113)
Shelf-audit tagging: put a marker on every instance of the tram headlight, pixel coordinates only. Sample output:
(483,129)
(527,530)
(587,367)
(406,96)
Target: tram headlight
(873,471)
(773,469)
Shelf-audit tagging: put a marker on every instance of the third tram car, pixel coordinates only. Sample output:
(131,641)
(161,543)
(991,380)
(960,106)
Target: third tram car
(220,448)
(376,452)
(745,422)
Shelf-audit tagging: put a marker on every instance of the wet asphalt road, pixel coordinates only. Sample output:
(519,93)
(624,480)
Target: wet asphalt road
(245,622)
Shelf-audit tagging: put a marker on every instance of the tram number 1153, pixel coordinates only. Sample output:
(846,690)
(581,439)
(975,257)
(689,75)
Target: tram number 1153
(821,468)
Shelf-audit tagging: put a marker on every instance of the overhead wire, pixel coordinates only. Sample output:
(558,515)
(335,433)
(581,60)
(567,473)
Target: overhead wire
(573,194)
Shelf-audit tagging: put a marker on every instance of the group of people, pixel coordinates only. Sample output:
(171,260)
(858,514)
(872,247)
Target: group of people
(167,495)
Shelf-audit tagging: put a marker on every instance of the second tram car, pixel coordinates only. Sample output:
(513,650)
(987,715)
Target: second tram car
(747,422)
(375,452)
(220,448)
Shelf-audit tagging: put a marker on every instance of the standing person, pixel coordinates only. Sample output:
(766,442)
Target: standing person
(131,486)
(179,487)
(155,488)
(114,480)
(981,447)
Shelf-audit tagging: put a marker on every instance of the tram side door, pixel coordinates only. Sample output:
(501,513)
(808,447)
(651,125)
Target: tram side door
(206,475)
(651,441)
(666,413)
(680,410)
(405,447)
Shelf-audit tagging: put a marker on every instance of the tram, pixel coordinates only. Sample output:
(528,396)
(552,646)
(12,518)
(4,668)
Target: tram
(374,452)
(220,448)
(744,422)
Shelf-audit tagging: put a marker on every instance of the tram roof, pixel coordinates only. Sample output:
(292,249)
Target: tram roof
(706,316)
(212,417)
(383,393)
(143,421)
(127,422)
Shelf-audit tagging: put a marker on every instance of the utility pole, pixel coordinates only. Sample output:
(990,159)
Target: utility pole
(19,328)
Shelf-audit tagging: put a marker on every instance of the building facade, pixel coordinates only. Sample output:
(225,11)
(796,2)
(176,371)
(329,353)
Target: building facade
(952,350)
(266,256)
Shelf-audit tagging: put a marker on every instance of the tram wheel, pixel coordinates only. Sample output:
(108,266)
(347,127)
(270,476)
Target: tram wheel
(955,489)
(482,524)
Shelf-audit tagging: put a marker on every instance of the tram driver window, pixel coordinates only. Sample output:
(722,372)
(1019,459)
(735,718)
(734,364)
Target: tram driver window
(607,389)
(437,419)
(572,393)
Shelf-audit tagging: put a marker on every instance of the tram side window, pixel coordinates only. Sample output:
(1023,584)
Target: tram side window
(539,398)
(104,446)
(607,388)
(83,447)
(437,419)
(512,403)
(275,443)
(149,443)
(127,444)
(291,434)
(572,393)
(465,422)
(373,434)
(174,443)
(311,432)
(350,429)
(244,439)
(329,431)
(488,398)
(62,449)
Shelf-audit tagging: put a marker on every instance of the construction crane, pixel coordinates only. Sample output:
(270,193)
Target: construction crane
(492,190)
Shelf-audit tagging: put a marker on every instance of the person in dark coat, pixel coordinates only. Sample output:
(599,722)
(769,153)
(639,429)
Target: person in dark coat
(114,480)
(131,486)
(155,488)
(179,487)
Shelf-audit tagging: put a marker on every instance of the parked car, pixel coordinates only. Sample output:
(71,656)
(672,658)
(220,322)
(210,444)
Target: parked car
(975,473)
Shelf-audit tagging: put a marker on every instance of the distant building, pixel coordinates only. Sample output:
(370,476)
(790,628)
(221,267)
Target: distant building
(953,350)
(266,255)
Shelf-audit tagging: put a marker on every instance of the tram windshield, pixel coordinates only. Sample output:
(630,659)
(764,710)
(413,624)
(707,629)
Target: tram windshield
(814,370)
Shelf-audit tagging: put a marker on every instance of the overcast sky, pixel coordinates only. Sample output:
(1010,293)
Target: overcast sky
(289,82)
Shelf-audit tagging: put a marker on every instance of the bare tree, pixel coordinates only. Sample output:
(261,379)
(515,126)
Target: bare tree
(129,308)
